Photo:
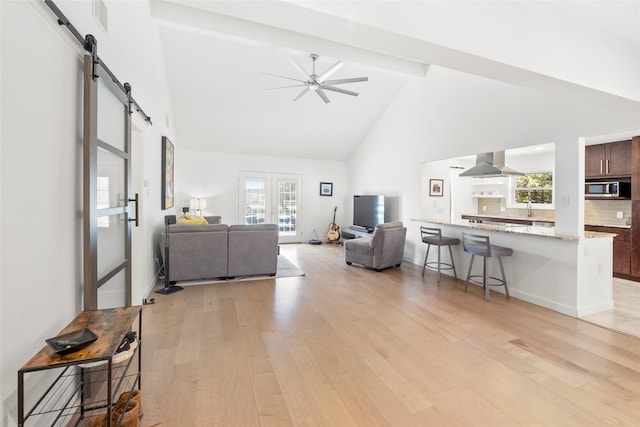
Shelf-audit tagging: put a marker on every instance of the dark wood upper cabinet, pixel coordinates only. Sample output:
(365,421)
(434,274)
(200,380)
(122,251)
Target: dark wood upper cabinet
(594,160)
(612,160)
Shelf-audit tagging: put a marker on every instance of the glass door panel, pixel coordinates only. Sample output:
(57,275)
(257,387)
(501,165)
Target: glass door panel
(111,240)
(113,292)
(111,119)
(253,199)
(287,191)
(111,180)
(272,199)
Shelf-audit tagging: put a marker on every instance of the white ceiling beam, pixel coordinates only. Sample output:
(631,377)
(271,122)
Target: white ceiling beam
(245,31)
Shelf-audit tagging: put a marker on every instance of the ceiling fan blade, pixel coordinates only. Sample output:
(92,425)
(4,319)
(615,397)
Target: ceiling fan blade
(300,70)
(335,67)
(284,77)
(322,95)
(305,90)
(343,81)
(284,87)
(337,89)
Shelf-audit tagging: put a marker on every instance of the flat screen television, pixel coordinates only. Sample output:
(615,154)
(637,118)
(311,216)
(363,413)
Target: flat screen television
(368,211)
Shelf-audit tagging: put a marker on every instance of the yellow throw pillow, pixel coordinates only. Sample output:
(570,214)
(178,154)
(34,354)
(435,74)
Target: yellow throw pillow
(190,219)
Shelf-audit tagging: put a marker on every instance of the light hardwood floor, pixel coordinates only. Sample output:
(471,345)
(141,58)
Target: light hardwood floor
(345,346)
(625,315)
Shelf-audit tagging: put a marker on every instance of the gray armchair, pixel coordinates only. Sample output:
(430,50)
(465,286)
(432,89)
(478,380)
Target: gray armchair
(384,249)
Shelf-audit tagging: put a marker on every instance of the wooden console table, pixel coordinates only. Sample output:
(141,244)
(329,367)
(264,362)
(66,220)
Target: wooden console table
(79,385)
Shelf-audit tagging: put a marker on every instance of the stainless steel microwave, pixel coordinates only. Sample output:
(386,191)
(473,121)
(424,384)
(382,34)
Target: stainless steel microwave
(598,189)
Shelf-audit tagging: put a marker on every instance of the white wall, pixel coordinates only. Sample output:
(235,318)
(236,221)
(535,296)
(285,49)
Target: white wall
(214,176)
(456,198)
(41,175)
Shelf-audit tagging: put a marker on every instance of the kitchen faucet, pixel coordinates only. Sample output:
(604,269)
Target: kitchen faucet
(529,211)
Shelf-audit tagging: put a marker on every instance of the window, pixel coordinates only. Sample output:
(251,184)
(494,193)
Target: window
(536,188)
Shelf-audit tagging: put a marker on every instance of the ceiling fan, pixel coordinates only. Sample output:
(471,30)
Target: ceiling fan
(318,84)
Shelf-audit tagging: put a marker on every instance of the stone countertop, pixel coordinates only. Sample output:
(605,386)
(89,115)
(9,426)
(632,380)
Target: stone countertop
(527,230)
(499,218)
(592,224)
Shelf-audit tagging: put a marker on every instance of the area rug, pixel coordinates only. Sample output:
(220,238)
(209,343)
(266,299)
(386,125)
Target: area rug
(285,269)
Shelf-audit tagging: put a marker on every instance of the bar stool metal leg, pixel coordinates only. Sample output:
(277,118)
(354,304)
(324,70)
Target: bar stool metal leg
(425,259)
(439,265)
(469,273)
(484,279)
(504,278)
(453,264)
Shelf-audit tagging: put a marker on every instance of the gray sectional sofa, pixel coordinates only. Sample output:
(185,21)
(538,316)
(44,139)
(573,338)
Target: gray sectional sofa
(220,251)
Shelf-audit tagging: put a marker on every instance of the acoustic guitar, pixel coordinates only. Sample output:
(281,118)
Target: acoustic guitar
(333,234)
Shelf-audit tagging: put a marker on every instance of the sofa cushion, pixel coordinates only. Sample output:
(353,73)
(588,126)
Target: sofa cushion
(214,219)
(189,228)
(197,251)
(253,249)
(253,227)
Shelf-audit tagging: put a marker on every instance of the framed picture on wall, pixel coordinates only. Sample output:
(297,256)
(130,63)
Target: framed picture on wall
(326,188)
(167,173)
(436,187)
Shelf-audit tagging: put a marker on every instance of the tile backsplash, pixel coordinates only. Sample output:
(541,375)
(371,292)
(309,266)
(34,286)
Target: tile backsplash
(603,212)
(488,206)
(596,212)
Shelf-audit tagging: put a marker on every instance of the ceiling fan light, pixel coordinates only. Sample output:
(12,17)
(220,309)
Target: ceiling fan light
(314,86)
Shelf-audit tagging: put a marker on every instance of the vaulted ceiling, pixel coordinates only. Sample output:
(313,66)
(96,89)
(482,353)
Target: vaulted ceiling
(216,52)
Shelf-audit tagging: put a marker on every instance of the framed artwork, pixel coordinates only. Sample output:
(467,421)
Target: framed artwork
(326,188)
(436,187)
(167,173)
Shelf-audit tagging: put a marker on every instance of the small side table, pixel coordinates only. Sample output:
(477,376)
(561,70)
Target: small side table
(87,380)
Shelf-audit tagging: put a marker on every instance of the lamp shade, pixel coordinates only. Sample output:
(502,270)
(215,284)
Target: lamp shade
(198,204)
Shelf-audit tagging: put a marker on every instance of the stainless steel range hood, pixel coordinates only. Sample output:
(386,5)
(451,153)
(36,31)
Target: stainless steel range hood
(490,165)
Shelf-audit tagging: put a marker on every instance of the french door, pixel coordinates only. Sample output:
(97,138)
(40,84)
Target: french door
(272,198)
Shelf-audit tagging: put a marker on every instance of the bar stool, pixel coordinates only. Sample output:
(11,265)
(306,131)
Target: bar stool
(481,246)
(433,236)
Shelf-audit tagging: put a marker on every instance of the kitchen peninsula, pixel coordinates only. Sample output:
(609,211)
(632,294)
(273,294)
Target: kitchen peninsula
(571,274)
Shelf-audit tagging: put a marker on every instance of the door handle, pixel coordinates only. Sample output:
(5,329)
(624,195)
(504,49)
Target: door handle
(135,199)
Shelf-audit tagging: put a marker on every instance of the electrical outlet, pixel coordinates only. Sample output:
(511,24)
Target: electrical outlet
(484,208)
(503,209)
(619,214)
